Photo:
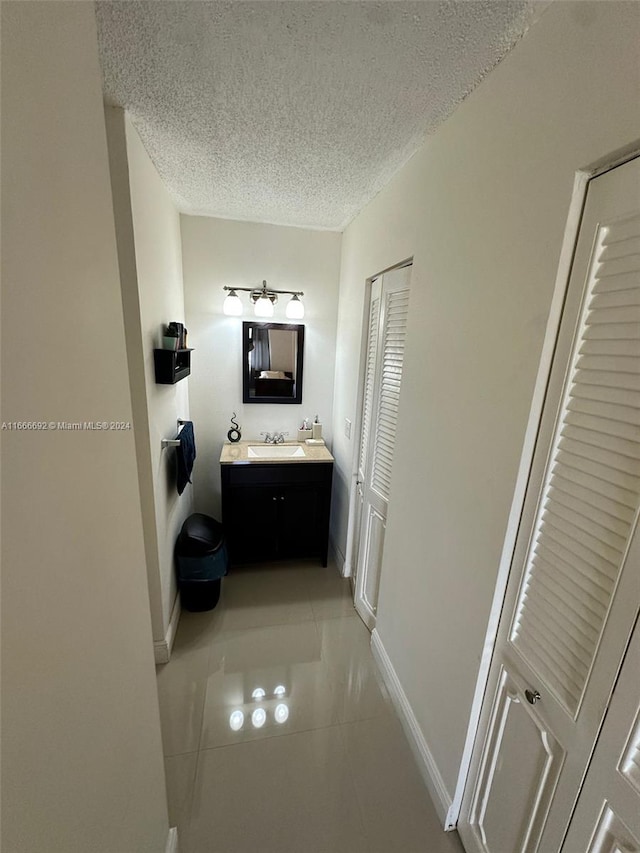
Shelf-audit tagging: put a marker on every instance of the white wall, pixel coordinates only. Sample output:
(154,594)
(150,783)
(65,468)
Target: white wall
(218,252)
(482,207)
(150,258)
(121,192)
(82,755)
(158,257)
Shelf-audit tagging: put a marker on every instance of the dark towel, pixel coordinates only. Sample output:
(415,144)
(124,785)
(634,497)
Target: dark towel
(186,453)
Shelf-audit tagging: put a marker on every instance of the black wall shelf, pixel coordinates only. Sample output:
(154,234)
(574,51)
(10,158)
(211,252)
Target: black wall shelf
(171,365)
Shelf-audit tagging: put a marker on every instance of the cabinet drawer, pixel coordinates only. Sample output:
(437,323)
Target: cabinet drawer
(291,472)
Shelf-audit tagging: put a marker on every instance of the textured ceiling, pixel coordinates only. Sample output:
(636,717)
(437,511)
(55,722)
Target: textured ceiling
(294,113)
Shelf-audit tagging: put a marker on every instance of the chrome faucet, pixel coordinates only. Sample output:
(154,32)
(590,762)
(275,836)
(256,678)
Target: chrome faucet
(276,438)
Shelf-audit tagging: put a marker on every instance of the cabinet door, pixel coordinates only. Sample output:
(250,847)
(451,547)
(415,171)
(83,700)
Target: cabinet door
(252,525)
(300,520)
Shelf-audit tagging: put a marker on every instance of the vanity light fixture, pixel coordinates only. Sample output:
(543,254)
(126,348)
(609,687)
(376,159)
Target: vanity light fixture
(295,308)
(263,299)
(263,305)
(232,306)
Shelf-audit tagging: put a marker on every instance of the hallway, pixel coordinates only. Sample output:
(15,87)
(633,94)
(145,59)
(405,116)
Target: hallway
(323,766)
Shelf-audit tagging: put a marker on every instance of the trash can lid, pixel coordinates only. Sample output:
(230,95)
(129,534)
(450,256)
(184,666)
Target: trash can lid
(200,534)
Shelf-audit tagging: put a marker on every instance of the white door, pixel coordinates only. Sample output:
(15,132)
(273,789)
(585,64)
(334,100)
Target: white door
(383,375)
(607,816)
(572,596)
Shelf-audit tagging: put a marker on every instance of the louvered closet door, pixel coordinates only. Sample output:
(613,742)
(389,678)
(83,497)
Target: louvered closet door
(383,376)
(574,590)
(371,361)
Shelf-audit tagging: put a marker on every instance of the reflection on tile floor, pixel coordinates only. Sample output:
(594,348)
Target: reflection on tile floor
(277,729)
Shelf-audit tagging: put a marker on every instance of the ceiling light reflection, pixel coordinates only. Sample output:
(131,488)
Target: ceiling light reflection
(259,718)
(281,713)
(236,720)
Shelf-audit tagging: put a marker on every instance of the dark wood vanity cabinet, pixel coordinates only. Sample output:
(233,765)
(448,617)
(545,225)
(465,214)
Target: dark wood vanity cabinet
(279,510)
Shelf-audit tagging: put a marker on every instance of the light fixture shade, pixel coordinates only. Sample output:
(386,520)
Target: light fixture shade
(232,305)
(263,307)
(295,309)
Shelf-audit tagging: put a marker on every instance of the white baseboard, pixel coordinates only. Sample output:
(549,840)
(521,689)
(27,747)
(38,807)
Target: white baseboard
(162,648)
(338,558)
(172,841)
(424,759)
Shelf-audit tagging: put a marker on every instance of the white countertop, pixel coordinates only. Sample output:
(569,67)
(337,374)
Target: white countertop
(237,453)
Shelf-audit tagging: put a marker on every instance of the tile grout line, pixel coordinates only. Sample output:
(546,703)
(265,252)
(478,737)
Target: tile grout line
(191,800)
(352,777)
(334,725)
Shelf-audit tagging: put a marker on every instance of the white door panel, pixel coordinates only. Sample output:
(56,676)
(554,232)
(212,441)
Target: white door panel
(509,816)
(611,835)
(630,763)
(382,380)
(572,597)
(372,550)
(607,815)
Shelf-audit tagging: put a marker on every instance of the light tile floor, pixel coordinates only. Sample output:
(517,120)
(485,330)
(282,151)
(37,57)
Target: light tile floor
(324,767)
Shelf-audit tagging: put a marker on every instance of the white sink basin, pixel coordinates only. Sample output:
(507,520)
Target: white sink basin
(274,451)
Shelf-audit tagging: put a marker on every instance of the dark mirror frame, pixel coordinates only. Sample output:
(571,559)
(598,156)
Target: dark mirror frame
(246,378)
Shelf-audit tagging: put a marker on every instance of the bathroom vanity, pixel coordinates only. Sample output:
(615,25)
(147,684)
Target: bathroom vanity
(276,502)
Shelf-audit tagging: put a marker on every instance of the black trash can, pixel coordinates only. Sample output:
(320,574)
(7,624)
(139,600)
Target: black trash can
(201,562)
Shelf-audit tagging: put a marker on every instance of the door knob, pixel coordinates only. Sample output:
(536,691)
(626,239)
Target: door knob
(532,696)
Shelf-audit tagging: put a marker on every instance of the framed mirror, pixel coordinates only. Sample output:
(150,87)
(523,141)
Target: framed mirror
(272,358)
